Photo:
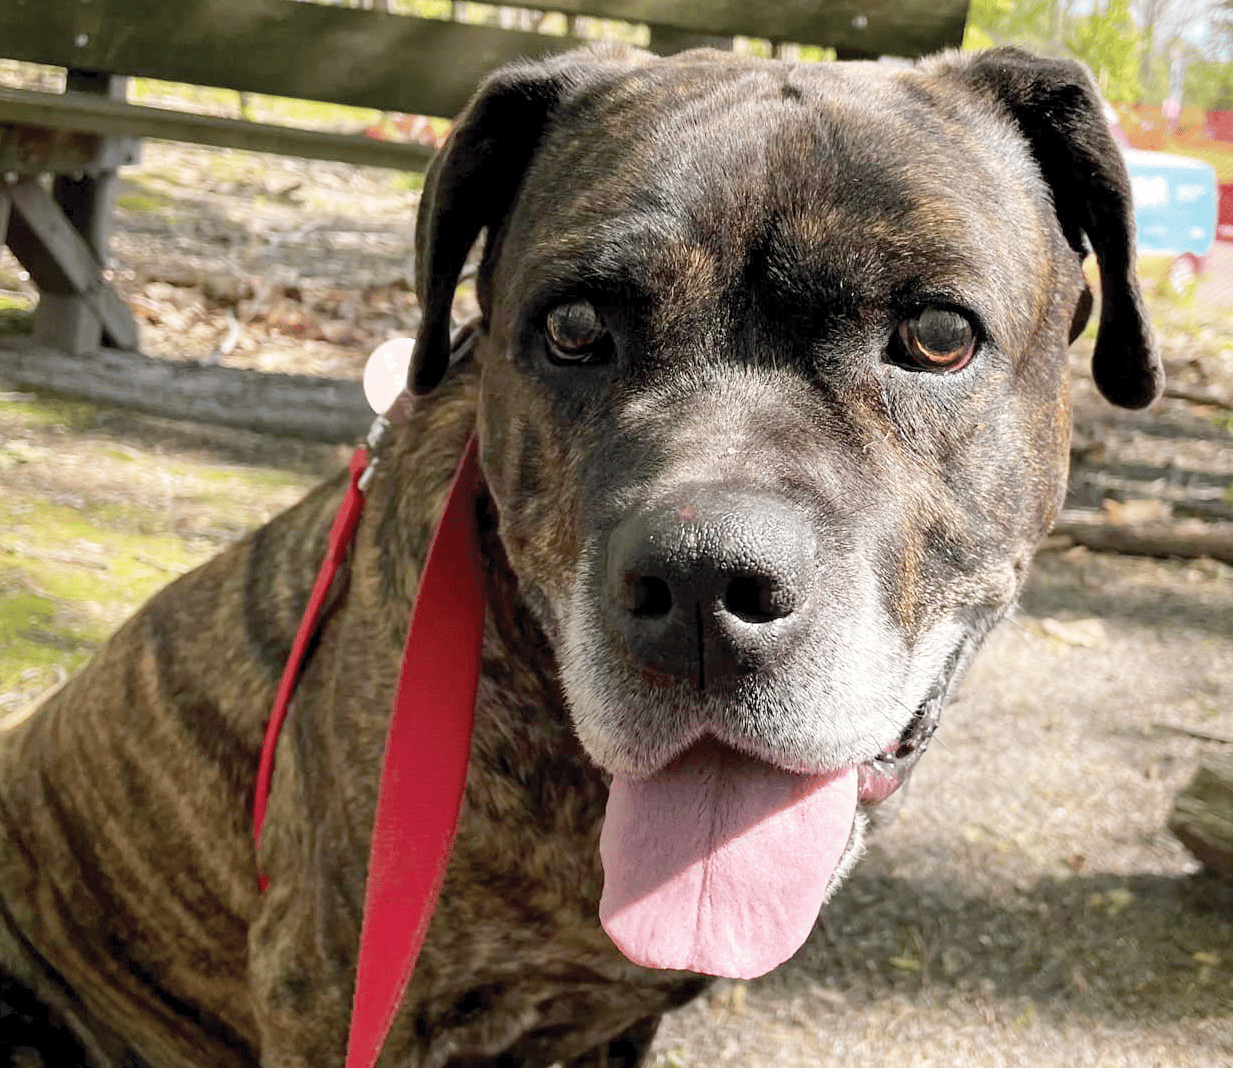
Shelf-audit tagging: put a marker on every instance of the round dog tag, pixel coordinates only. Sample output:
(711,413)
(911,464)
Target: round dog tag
(385,374)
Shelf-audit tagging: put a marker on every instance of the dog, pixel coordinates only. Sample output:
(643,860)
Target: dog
(771,401)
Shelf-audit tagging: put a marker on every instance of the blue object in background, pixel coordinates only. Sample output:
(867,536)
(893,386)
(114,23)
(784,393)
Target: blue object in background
(1175,203)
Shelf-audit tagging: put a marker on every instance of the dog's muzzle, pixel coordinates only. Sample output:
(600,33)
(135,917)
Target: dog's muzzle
(708,588)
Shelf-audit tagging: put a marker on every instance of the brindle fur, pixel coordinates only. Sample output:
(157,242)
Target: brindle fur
(751,232)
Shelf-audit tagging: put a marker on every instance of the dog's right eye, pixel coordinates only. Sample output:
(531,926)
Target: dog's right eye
(576,333)
(937,339)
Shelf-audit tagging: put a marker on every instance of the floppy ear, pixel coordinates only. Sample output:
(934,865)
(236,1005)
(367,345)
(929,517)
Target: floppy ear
(1059,111)
(472,183)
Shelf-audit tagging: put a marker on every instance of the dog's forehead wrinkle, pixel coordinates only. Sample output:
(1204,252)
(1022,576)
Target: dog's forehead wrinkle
(720,130)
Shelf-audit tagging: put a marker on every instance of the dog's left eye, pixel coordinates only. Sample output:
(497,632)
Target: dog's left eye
(938,339)
(575,332)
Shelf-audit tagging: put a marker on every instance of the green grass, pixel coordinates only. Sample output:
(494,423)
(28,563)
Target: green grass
(16,314)
(69,576)
(80,555)
(46,410)
(136,195)
(35,632)
(254,106)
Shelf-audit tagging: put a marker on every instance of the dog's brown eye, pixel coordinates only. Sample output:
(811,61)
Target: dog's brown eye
(575,332)
(938,339)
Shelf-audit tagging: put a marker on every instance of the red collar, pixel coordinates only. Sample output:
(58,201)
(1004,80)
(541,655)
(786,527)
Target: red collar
(424,770)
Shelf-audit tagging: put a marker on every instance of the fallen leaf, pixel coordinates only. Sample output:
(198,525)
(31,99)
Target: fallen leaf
(335,332)
(1084,633)
(1132,513)
(740,992)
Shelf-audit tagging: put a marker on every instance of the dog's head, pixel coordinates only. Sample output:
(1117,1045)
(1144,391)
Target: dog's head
(774,412)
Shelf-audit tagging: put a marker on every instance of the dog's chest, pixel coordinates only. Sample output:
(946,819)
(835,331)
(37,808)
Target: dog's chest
(538,1015)
(516,964)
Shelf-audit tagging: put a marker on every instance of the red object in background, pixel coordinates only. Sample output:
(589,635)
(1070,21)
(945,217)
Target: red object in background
(1224,217)
(1220,125)
(407,128)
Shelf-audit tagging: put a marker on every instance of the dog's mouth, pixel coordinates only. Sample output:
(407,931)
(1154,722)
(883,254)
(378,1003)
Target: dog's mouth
(880,777)
(720,862)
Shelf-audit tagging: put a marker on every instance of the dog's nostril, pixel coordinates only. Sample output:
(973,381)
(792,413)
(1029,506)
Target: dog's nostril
(752,599)
(647,597)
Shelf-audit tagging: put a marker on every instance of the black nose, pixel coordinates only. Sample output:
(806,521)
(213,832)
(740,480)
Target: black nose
(711,584)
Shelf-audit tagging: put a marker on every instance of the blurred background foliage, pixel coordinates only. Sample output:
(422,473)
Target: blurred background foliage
(1138,49)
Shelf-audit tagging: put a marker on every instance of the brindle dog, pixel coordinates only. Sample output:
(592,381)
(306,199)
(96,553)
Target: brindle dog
(770,390)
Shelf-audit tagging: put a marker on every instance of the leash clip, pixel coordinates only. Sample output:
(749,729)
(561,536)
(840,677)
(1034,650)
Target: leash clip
(376,438)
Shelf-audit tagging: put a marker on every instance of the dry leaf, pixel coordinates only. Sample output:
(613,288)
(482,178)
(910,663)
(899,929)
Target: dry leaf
(1132,513)
(1084,633)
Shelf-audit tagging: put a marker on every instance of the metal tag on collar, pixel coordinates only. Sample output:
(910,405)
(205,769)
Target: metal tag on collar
(385,378)
(385,373)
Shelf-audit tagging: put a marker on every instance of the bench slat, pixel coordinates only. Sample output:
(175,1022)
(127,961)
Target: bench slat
(400,63)
(114,118)
(908,28)
(279,47)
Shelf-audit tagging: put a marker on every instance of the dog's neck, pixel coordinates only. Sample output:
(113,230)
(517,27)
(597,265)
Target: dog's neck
(427,438)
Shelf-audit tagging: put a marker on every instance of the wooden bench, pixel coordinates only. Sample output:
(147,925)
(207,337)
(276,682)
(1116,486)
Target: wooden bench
(311,51)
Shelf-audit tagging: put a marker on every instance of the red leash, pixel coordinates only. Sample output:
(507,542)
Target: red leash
(427,750)
(341,533)
(425,768)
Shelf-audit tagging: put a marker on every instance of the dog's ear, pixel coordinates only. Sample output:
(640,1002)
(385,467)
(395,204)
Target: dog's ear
(471,184)
(1059,111)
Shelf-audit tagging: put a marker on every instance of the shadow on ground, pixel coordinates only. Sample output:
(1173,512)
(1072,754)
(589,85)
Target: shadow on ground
(1142,949)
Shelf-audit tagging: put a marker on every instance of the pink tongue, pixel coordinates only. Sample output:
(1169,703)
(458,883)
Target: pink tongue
(719,863)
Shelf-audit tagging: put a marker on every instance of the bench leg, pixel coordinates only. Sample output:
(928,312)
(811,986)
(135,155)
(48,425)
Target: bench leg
(77,308)
(80,304)
(63,321)
(66,320)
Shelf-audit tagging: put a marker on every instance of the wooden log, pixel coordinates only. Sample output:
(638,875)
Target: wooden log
(1206,400)
(1188,540)
(320,409)
(1202,815)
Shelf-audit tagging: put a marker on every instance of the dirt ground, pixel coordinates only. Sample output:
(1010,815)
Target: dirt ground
(1027,906)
